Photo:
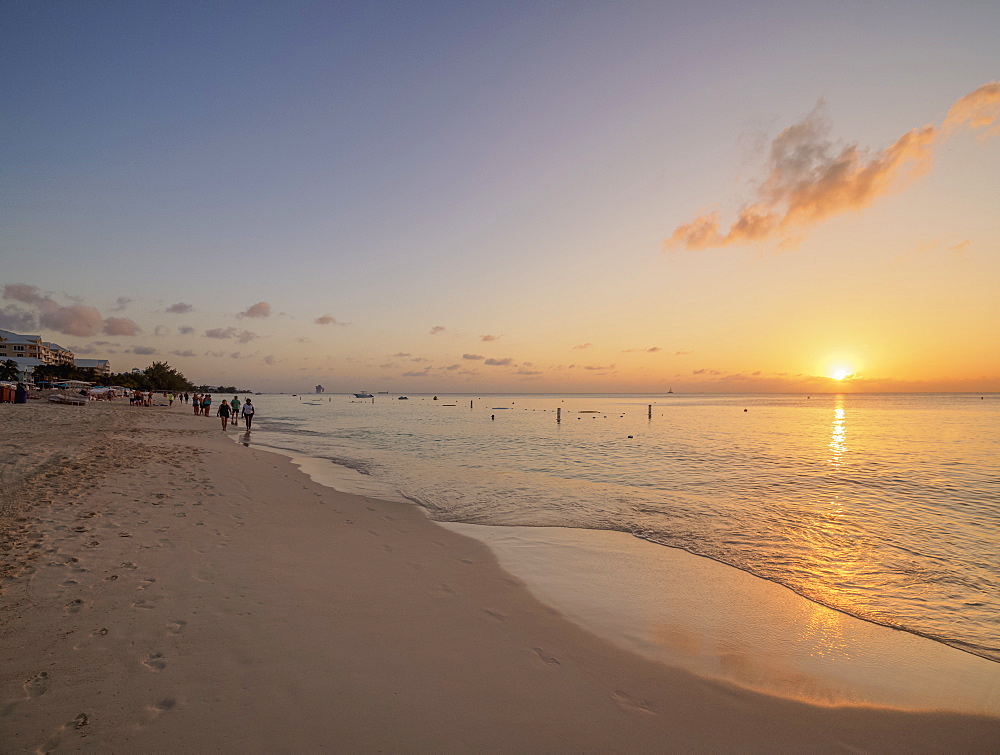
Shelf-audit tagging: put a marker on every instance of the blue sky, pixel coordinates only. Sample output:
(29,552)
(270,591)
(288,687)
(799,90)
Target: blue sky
(420,175)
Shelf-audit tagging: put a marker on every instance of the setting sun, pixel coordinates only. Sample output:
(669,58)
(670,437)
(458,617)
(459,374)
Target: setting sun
(840,373)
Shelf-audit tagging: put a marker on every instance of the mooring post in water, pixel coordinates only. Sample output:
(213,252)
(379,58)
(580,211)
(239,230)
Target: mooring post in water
(558,416)
(649,412)
(470,404)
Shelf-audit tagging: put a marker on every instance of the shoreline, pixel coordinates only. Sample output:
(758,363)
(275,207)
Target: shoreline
(206,595)
(612,583)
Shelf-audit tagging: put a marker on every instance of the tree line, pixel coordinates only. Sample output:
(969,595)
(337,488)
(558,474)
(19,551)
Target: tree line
(159,376)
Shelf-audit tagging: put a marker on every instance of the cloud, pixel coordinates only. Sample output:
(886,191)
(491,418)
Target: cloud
(583,345)
(260,309)
(529,372)
(437,330)
(976,110)
(159,330)
(597,367)
(653,349)
(452,367)
(185,330)
(180,308)
(473,356)
(146,350)
(121,303)
(22,292)
(682,353)
(76,320)
(489,338)
(215,353)
(12,317)
(327,320)
(400,355)
(810,179)
(185,353)
(422,373)
(120,326)
(242,336)
(499,362)
(269,359)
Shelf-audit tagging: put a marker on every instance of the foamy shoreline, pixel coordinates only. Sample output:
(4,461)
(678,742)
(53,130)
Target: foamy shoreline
(207,596)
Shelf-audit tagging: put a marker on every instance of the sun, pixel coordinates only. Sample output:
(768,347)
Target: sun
(841,373)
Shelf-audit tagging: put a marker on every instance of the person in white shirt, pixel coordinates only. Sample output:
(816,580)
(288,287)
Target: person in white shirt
(248,413)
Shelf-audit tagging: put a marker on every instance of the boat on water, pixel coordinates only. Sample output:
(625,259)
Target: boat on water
(363,394)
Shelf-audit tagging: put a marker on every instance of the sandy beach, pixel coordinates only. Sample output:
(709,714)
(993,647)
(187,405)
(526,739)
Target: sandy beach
(165,588)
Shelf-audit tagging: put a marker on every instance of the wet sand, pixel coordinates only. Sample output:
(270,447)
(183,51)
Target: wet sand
(166,589)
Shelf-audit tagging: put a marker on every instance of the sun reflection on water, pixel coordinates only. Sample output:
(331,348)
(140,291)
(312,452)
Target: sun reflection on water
(838,434)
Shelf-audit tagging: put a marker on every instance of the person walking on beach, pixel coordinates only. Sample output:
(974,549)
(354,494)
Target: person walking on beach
(248,414)
(196,403)
(206,404)
(235,406)
(224,413)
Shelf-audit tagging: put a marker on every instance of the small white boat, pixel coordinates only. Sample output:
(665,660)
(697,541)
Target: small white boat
(363,394)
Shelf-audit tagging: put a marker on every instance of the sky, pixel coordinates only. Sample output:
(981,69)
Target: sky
(426,196)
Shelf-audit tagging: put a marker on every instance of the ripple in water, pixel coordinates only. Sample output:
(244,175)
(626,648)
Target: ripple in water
(886,507)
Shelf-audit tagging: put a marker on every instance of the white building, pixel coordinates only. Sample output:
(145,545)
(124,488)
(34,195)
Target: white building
(16,346)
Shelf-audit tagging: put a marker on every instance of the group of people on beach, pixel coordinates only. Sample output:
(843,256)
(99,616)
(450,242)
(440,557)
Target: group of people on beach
(202,404)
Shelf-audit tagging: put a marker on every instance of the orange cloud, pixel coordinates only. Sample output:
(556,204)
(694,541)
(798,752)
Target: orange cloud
(809,179)
(260,309)
(978,109)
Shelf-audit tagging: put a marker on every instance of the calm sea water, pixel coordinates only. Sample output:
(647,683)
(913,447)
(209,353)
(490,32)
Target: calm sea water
(886,507)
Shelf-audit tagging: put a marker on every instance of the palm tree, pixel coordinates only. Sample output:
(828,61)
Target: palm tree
(8,370)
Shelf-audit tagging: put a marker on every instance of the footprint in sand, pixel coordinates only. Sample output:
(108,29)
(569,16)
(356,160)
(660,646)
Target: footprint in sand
(154,662)
(74,606)
(146,583)
(143,604)
(628,702)
(102,632)
(176,627)
(129,565)
(494,615)
(53,742)
(37,685)
(160,707)
(545,658)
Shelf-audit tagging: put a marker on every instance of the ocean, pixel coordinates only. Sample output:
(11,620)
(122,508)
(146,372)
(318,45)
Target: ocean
(882,506)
